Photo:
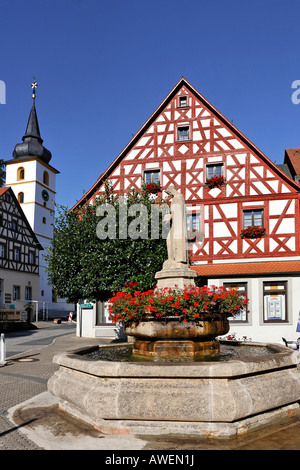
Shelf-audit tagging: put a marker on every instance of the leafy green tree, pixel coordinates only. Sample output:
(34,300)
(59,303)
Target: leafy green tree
(2,173)
(85,263)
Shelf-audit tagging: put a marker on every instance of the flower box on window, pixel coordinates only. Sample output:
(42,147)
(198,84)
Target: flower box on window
(153,188)
(215,181)
(195,236)
(253,231)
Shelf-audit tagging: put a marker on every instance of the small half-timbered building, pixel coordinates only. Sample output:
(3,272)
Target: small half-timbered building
(19,256)
(245,208)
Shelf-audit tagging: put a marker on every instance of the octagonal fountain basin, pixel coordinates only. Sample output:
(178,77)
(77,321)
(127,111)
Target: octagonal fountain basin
(246,387)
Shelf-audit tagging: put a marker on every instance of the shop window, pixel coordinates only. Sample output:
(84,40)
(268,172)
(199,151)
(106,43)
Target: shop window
(241,287)
(275,302)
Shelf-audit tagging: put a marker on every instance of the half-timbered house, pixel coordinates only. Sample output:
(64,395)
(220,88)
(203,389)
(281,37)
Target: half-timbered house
(229,185)
(19,257)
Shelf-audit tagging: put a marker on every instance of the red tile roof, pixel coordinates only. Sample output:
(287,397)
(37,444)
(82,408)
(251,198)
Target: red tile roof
(231,269)
(2,190)
(294,157)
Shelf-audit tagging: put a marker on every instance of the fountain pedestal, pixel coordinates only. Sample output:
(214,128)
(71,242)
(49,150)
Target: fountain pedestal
(177,339)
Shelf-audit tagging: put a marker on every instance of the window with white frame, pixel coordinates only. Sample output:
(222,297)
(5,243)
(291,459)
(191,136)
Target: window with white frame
(193,221)
(28,293)
(183,101)
(2,250)
(17,253)
(152,176)
(253,217)
(16,292)
(183,133)
(214,171)
(275,302)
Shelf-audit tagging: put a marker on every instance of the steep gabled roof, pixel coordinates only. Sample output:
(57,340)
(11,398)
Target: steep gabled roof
(28,226)
(292,159)
(182,82)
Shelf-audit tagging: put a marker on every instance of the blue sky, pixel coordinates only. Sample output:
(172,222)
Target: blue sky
(103,66)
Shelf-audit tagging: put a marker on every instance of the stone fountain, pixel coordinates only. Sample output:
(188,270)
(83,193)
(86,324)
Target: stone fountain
(188,396)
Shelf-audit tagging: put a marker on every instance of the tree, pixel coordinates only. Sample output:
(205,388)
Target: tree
(85,263)
(2,173)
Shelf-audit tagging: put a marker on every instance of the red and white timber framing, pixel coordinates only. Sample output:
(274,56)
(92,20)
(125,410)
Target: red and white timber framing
(252,180)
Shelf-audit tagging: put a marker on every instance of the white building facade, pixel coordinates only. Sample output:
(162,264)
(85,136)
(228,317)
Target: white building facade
(32,179)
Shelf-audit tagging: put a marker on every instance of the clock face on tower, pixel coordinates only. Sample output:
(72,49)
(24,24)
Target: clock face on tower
(45,195)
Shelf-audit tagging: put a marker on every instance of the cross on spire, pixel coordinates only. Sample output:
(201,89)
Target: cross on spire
(34,85)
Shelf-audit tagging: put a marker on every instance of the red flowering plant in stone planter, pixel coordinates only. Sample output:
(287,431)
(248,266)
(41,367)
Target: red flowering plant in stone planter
(253,231)
(190,304)
(215,181)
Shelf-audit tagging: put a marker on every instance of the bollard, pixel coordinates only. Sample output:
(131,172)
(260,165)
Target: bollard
(2,348)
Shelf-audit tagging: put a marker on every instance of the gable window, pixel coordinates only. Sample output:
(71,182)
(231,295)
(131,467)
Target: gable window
(2,250)
(31,257)
(183,133)
(241,287)
(183,101)
(16,292)
(253,217)
(21,198)
(275,301)
(20,173)
(14,224)
(152,176)
(214,171)
(17,254)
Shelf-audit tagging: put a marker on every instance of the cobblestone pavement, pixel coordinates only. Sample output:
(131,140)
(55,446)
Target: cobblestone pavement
(26,375)
(26,378)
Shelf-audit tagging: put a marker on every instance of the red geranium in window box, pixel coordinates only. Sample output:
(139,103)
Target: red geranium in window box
(215,181)
(253,231)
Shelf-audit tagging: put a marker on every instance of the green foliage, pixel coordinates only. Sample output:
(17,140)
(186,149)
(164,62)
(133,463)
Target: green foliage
(82,266)
(2,173)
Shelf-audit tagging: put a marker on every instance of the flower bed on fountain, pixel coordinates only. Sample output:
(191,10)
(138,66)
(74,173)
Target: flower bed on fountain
(175,322)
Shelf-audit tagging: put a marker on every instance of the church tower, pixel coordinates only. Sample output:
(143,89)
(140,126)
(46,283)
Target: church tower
(32,179)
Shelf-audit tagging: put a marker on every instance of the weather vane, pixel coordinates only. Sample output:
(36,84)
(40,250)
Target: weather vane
(34,85)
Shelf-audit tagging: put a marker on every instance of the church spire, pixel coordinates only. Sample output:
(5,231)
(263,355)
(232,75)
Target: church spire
(32,141)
